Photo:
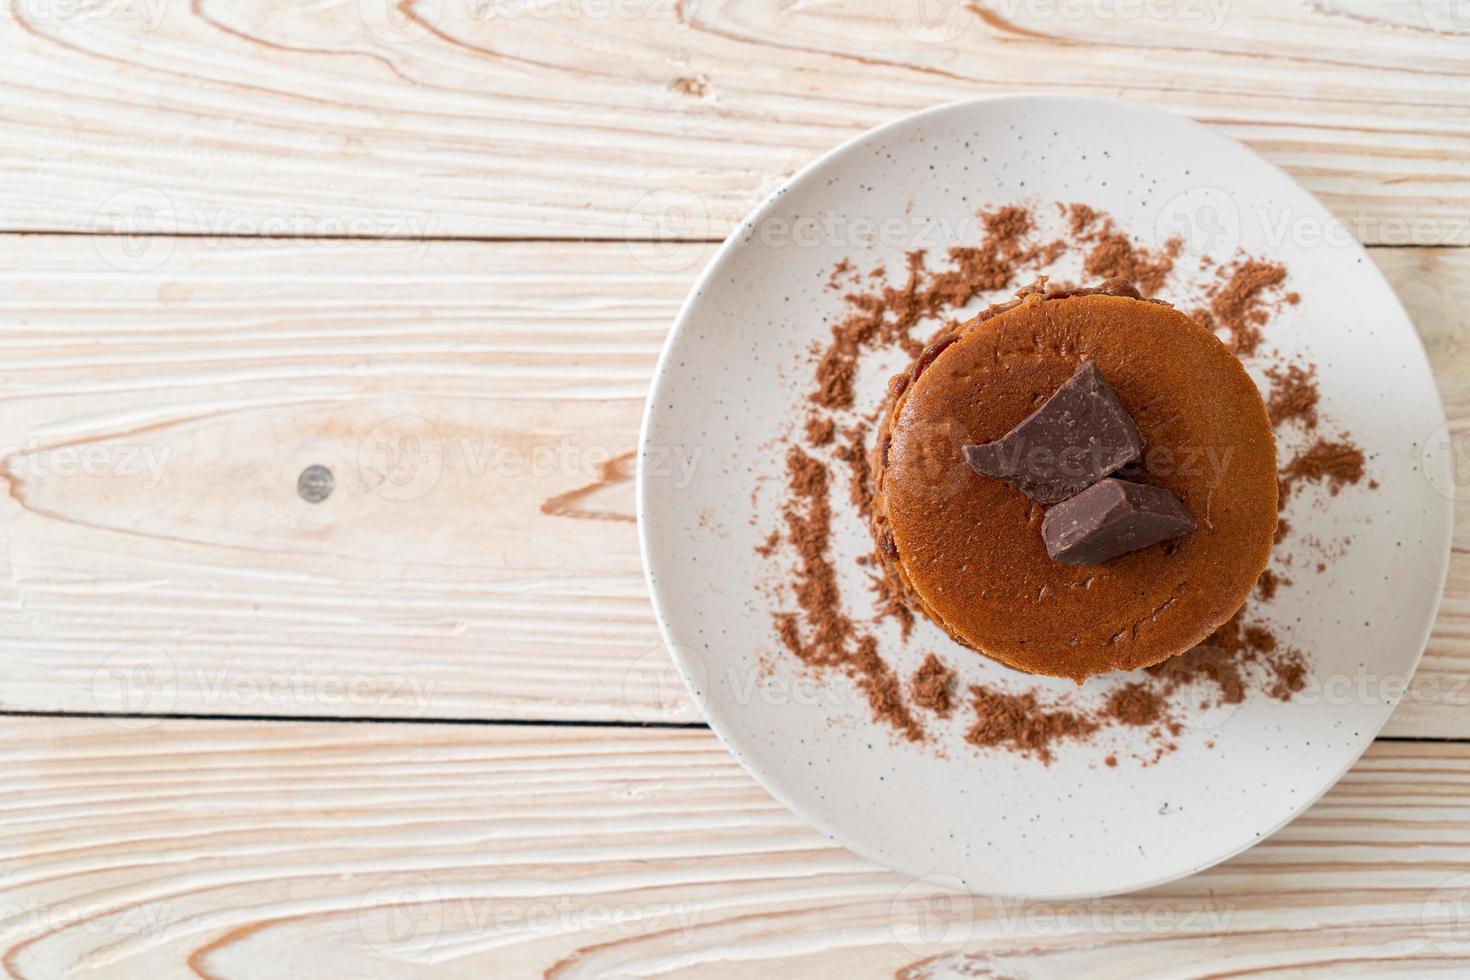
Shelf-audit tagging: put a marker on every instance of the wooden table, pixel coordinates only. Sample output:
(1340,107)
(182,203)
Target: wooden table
(425,726)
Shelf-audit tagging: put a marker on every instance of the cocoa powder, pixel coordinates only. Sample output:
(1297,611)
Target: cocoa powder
(823,636)
(1238,655)
(885,696)
(1136,704)
(1289,675)
(853,453)
(886,316)
(1021,723)
(1293,396)
(1081,218)
(844,269)
(891,602)
(1215,668)
(1114,256)
(808,514)
(1240,303)
(820,431)
(1268,583)
(933,686)
(1337,462)
(869,325)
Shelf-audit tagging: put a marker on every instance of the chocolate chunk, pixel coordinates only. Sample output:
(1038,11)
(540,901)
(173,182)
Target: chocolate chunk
(1079,436)
(1112,518)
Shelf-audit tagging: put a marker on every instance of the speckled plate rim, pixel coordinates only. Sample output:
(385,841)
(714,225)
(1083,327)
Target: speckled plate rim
(650,555)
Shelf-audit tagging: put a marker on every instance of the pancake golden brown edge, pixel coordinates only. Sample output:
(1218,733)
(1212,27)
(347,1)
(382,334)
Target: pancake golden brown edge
(968,550)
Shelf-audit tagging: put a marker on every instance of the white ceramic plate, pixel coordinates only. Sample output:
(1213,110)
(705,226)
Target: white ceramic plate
(734,376)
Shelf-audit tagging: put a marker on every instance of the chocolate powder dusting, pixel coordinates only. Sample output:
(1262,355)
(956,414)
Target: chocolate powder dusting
(933,686)
(891,601)
(1240,303)
(1289,675)
(1080,218)
(859,479)
(867,326)
(885,696)
(1293,396)
(1214,668)
(1337,462)
(843,269)
(808,515)
(830,639)
(886,316)
(989,266)
(1242,657)
(1268,583)
(1021,723)
(1114,256)
(1138,705)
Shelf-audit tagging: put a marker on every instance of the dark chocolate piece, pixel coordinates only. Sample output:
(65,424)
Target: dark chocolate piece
(1079,436)
(1112,518)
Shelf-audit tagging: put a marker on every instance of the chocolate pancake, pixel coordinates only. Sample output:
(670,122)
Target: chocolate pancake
(968,548)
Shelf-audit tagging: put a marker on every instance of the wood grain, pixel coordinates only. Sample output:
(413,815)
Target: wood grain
(579,118)
(475,403)
(238,850)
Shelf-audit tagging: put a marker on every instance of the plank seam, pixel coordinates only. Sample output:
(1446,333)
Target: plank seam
(482,239)
(496,722)
(360,720)
(428,239)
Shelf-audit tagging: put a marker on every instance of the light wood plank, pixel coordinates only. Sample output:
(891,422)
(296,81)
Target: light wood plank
(488,381)
(558,118)
(213,588)
(237,850)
